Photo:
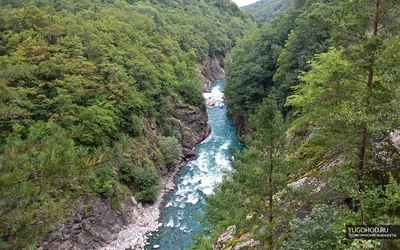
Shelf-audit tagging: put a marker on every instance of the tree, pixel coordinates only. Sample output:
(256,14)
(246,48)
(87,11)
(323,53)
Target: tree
(250,74)
(310,35)
(315,232)
(269,138)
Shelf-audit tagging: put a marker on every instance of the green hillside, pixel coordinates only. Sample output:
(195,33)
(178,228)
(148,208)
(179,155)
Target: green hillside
(315,95)
(265,10)
(82,85)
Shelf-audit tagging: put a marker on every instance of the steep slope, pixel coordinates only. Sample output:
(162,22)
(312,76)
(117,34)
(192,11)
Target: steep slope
(330,68)
(98,100)
(265,10)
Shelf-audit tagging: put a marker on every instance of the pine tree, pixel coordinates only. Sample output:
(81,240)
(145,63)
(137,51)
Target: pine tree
(269,138)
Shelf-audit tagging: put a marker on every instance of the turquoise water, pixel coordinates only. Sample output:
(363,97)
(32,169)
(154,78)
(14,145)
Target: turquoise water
(182,207)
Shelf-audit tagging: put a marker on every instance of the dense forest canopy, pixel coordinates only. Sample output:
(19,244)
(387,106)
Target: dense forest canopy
(330,69)
(80,84)
(265,10)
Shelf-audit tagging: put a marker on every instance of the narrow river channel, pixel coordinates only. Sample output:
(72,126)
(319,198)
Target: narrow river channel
(182,207)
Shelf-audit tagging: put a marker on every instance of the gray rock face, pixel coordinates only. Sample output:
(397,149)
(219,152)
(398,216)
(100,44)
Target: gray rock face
(395,138)
(211,70)
(223,239)
(91,227)
(193,126)
(226,237)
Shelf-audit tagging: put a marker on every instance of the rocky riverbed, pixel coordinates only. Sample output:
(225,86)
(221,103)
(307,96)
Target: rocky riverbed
(133,236)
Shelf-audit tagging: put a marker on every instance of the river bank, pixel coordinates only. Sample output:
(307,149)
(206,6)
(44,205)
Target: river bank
(134,236)
(181,209)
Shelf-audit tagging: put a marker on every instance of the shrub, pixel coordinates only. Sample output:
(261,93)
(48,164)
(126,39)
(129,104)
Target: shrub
(170,148)
(144,180)
(148,195)
(134,125)
(103,181)
(191,92)
(97,125)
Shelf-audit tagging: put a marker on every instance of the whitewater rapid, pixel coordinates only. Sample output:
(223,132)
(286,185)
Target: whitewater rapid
(182,208)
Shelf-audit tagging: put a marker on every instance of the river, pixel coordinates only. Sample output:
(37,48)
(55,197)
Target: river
(197,180)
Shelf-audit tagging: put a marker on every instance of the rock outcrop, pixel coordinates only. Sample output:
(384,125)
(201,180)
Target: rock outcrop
(228,241)
(211,70)
(193,127)
(395,140)
(93,226)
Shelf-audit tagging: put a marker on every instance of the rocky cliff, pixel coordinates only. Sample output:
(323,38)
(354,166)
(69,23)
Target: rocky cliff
(193,127)
(96,225)
(228,240)
(211,70)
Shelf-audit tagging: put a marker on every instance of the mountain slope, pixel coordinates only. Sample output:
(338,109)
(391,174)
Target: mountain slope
(89,91)
(330,68)
(265,10)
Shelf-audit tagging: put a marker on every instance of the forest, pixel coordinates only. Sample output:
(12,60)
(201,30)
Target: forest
(82,84)
(315,95)
(88,89)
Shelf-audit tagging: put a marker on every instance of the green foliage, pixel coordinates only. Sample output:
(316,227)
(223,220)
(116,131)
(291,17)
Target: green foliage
(310,35)
(382,203)
(315,232)
(271,59)
(148,195)
(250,75)
(192,92)
(170,148)
(134,125)
(338,80)
(268,125)
(97,68)
(144,181)
(201,243)
(265,10)
(39,175)
(78,80)
(260,172)
(103,181)
(96,126)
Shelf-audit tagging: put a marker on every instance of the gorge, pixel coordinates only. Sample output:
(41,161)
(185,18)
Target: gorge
(181,209)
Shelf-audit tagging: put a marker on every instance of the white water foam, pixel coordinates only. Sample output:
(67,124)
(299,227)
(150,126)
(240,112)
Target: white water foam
(202,161)
(225,145)
(170,223)
(207,139)
(215,97)
(170,204)
(207,185)
(221,160)
(193,198)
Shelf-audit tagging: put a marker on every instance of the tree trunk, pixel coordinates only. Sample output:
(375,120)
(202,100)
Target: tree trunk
(271,168)
(363,139)
(270,198)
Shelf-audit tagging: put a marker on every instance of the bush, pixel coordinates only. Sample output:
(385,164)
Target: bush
(103,181)
(134,125)
(97,125)
(170,148)
(148,195)
(191,92)
(144,180)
